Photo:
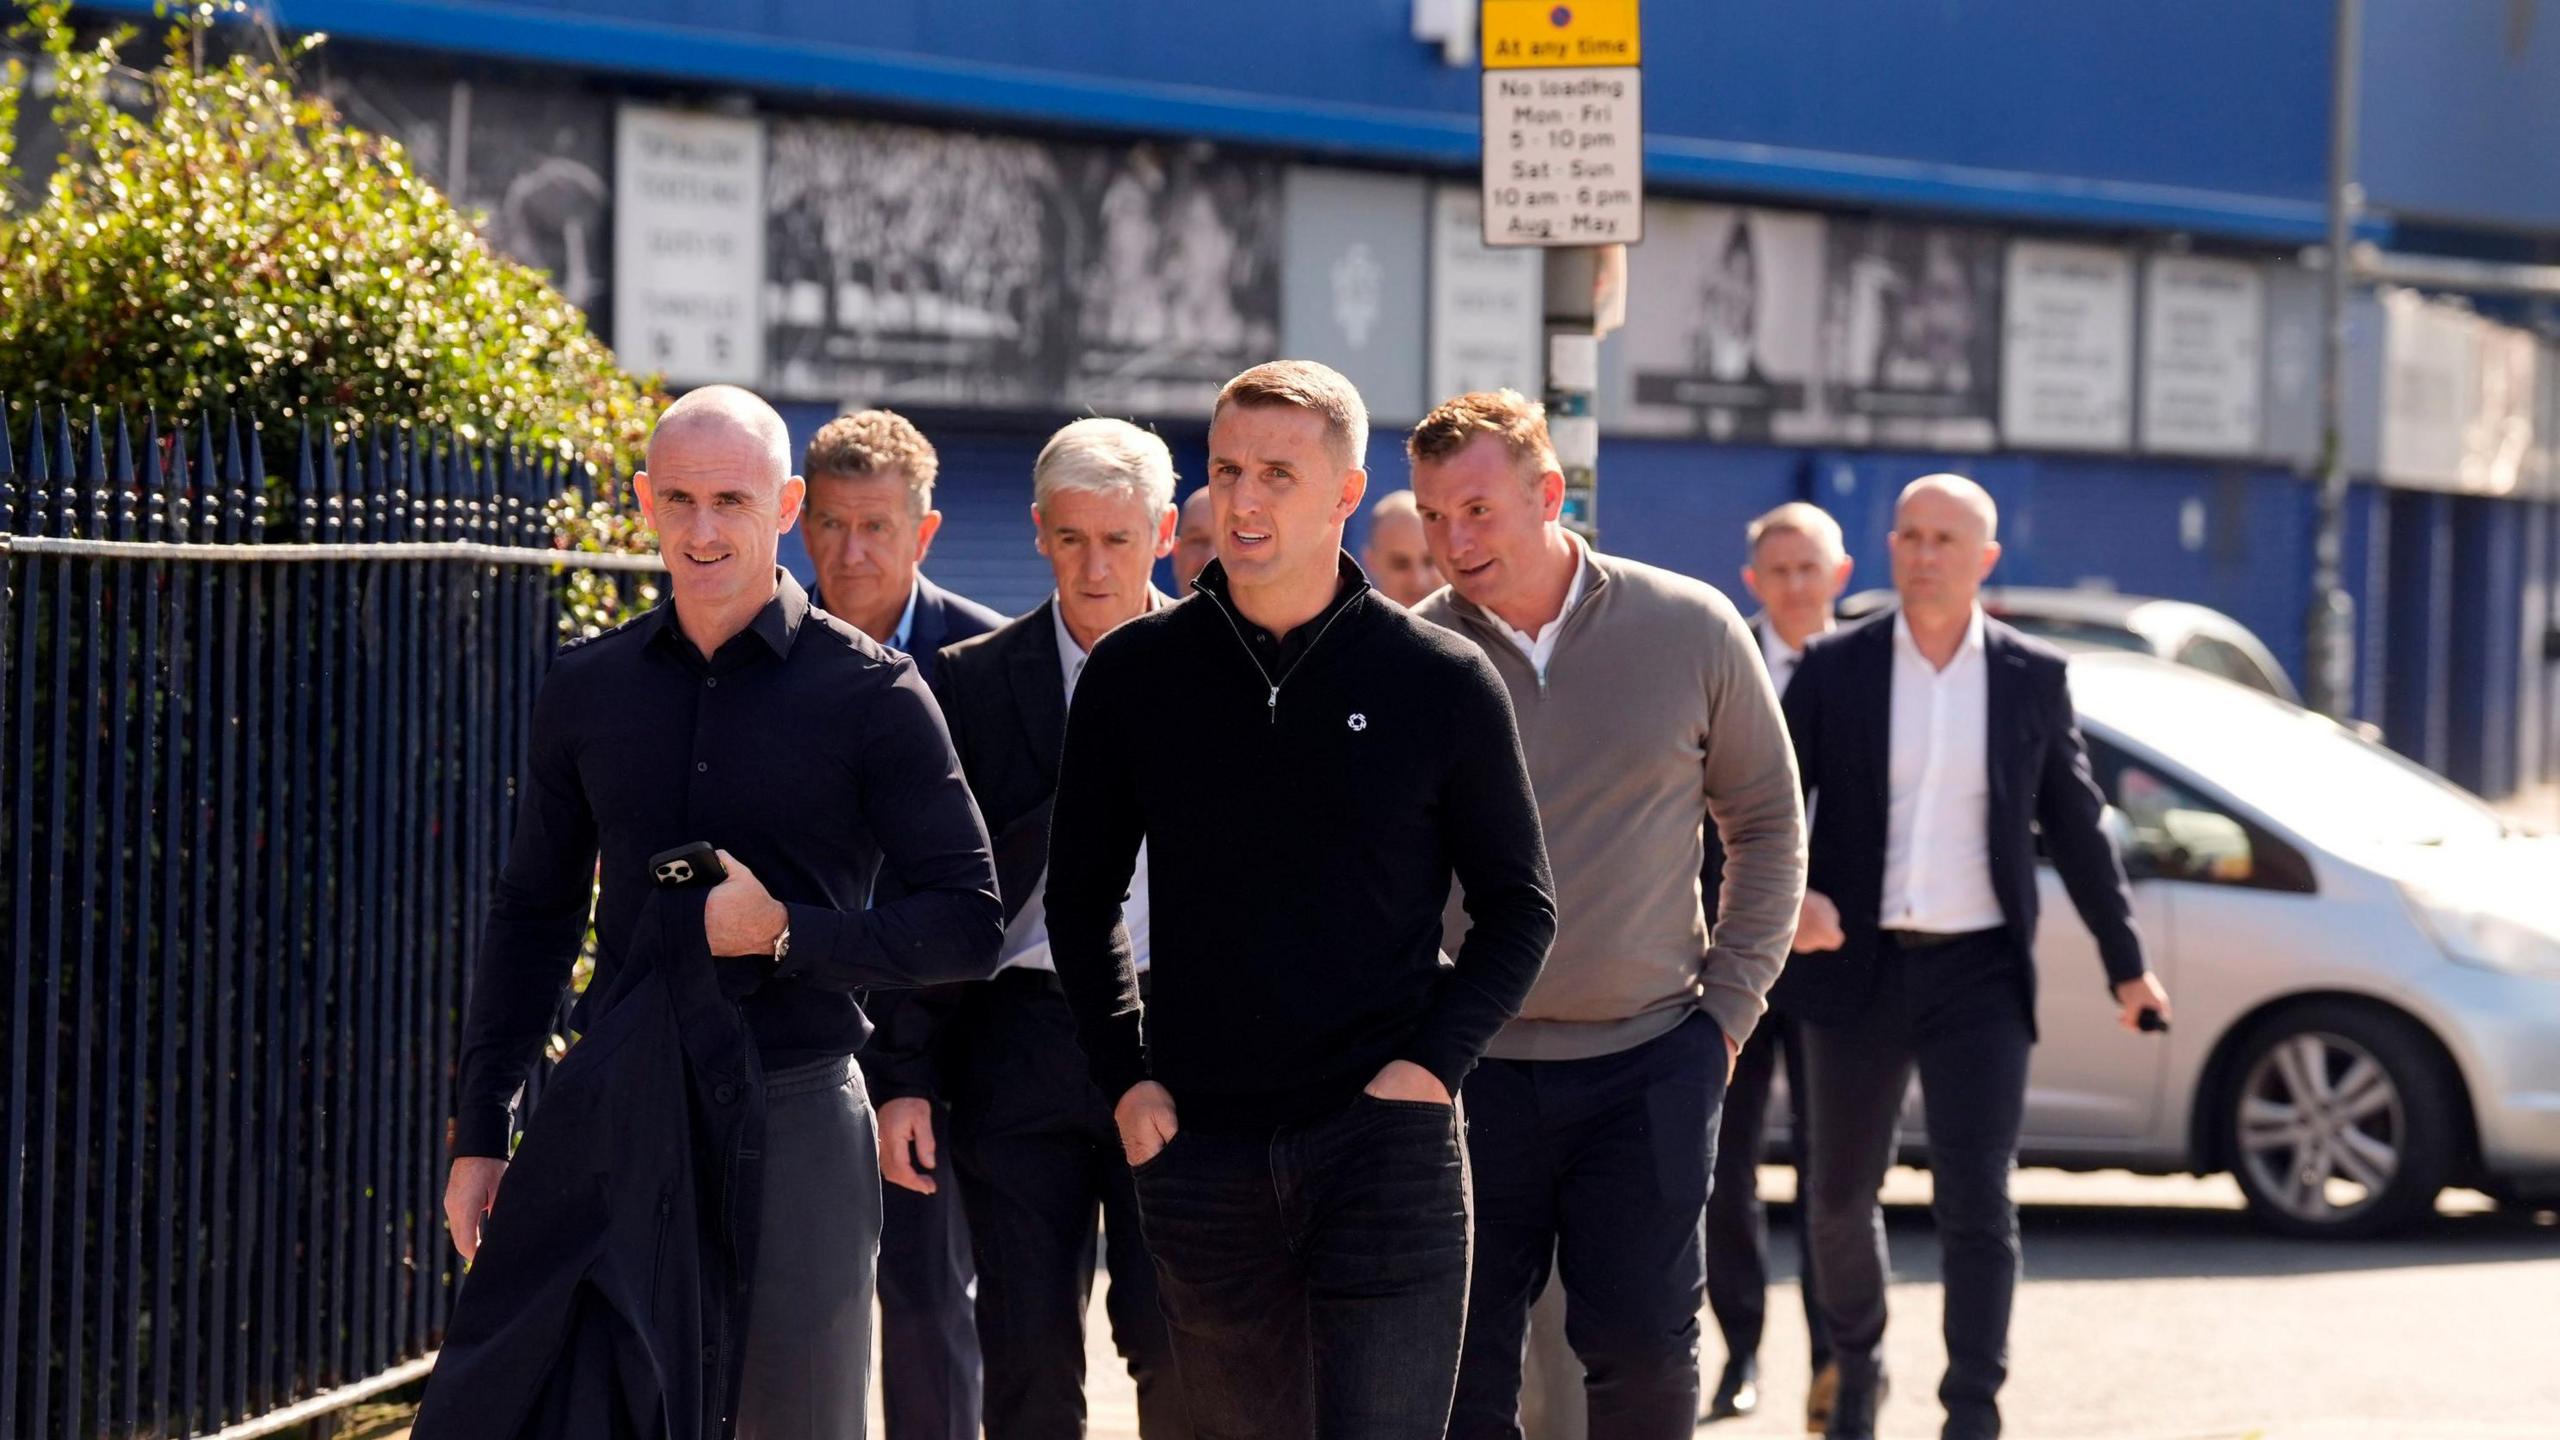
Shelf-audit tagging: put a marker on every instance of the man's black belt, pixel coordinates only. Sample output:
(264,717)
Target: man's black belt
(1932,939)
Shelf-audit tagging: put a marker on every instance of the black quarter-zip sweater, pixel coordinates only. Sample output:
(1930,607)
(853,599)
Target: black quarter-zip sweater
(1305,801)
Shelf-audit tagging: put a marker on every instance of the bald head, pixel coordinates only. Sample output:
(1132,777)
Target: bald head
(719,491)
(1942,549)
(729,421)
(1963,491)
(1398,554)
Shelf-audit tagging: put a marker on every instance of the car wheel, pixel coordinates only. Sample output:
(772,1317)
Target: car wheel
(2341,1122)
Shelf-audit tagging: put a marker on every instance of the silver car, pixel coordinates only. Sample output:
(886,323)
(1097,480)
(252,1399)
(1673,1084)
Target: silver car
(2083,619)
(2364,959)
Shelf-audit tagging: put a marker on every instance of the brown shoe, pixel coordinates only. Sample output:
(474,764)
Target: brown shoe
(1818,1400)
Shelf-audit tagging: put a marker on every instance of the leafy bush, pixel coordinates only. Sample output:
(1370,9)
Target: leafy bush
(229,245)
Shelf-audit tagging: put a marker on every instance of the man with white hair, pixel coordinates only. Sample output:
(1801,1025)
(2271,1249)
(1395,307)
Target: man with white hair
(739,716)
(1035,1148)
(1939,751)
(1397,556)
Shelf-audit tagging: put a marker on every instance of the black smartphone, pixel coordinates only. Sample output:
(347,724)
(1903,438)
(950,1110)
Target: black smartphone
(688,865)
(2152,1022)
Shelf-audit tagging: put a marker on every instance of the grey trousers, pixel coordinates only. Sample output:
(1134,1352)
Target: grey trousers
(808,1351)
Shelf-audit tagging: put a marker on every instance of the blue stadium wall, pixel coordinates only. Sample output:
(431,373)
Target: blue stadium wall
(2118,120)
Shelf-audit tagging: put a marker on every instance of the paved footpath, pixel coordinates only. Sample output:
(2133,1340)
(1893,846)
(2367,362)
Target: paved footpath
(2153,1310)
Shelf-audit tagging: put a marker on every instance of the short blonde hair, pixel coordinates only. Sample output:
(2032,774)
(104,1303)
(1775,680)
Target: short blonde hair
(1520,422)
(1306,385)
(1102,456)
(875,442)
(1797,517)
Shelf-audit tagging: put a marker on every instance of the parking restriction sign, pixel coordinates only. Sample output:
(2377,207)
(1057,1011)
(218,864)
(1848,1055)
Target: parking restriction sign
(1563,123)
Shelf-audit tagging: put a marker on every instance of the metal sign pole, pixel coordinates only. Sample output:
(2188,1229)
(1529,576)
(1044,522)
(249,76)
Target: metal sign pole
(2331,639)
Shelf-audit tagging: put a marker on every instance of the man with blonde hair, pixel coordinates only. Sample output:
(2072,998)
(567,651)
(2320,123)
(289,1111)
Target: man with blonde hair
(1396,556)
(1648,720)
(1306,767)
(1033,1143)
(870,524)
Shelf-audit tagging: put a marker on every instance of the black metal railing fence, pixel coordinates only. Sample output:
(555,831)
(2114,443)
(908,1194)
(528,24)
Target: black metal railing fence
(258,738)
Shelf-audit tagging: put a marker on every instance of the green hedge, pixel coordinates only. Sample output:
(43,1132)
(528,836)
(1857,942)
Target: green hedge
(213,241)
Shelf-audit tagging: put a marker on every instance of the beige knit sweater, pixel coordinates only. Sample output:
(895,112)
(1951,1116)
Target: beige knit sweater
(1655,716)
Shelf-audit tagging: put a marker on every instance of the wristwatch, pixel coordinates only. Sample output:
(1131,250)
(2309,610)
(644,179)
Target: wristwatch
(782,945)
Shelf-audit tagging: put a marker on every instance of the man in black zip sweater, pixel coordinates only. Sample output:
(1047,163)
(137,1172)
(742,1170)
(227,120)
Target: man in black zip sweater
(1285,1093)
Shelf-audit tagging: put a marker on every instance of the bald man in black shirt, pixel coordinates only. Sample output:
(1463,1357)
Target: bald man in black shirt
(808,754)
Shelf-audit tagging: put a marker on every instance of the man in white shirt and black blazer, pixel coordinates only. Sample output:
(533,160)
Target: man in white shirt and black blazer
(1934,744)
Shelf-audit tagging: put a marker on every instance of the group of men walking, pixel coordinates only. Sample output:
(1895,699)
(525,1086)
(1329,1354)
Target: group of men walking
(1338,967)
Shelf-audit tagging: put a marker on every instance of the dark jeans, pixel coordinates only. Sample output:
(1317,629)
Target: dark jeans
(928,1338)
(1315,1277)
(1598,1168)
(1957,1011)
(1737,1223)
(808,1343)
(1038,1158)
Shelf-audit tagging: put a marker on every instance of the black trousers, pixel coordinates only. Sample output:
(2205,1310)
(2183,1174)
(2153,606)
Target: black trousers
(1039,1161)
(1957,1012)
(928,1338)
(1314,1276)
(1599,1168)
(1737,1223)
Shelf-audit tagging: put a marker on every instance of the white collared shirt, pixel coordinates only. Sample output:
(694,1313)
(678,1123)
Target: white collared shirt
(1026,940)
(1937,849)
(1541,648)
(1779,656)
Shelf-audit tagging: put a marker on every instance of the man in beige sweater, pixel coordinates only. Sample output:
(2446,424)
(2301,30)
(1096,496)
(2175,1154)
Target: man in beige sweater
(1646,715)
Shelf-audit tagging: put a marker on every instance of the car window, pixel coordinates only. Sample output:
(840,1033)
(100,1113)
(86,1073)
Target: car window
(2169,832)
(2325,783)
(2221,657)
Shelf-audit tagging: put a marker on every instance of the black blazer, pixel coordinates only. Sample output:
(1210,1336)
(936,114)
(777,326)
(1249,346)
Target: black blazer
(1006,703)
(943,617)
(1005,700)
(1839,710)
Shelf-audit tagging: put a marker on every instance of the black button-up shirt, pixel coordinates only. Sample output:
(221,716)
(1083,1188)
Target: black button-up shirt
(802,748)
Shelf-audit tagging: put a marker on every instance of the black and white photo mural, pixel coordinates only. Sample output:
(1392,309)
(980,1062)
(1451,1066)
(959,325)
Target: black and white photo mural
(928,267)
